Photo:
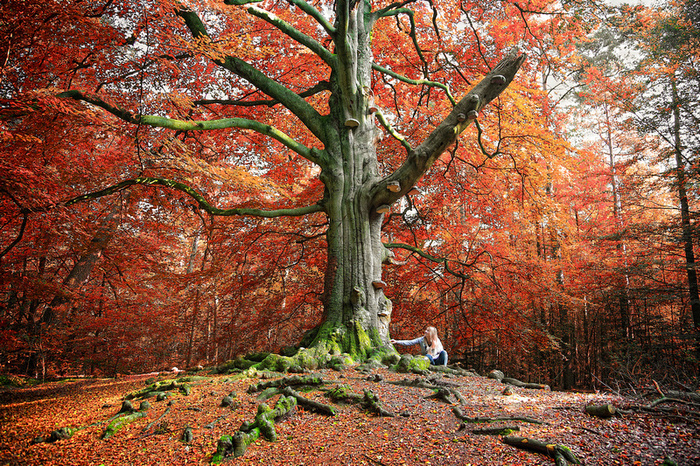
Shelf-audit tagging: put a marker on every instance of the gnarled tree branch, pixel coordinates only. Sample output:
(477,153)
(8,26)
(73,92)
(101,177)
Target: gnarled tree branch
(296,104)
(422,157)
(196,125)
(201,201)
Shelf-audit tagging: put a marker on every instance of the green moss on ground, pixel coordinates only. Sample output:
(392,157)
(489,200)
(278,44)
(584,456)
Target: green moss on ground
(332,345)
(412,364)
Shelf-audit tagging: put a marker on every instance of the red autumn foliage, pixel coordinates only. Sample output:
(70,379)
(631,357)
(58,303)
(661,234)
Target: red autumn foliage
(529,265)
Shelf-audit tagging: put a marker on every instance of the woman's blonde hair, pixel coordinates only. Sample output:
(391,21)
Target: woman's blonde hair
(431,335)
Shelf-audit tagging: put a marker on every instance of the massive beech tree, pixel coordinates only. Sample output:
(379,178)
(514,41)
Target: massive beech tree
(330,118)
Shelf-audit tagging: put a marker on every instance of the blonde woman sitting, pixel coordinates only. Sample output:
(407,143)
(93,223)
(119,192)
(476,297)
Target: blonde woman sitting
(430,344)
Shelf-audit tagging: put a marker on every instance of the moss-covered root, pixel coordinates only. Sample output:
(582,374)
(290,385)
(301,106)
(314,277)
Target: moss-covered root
(293,381)
(264,425)
(441,394)
(372,403)
(502,430)
(120,421)
(63,433)
(413,364)
(342,393)
(562,455)
(311,404)
(158,388)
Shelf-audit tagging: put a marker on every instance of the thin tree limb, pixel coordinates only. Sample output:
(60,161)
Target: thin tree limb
(438,260)
(315,14)
(422,157)
(316,89)
(294,33)
(412,33)
(417,82)
(395,134)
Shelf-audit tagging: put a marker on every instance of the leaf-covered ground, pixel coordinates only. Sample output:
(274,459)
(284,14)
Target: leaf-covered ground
(425,430)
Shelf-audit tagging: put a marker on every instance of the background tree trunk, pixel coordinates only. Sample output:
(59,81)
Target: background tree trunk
(685,218)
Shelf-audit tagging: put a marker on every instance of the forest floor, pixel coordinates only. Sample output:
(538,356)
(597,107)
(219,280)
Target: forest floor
(425,431)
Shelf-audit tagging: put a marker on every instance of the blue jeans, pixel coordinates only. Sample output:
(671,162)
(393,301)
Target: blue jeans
(440,360)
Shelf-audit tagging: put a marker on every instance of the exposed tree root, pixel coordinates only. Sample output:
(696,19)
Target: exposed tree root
(562,455)
(518,383)
(264,425)
(293,381)
(314,405)
(431,383)
(63,433)
(159,390)
(458,412)
(442,394)
(418,382)
(119,422)
(212,424)
(151,424)
(504,430)
(498,375)
(371,402)
(453,370)
(342,393)
(458,396)
(187,434)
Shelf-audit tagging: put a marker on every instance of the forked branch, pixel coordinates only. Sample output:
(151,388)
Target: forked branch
(444,261)
(296,104)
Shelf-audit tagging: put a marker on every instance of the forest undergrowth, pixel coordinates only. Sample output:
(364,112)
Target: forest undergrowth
(421,424)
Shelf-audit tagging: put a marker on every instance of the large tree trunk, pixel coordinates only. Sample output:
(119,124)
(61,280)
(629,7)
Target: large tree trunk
(356,196)
(356,312)
(352,294)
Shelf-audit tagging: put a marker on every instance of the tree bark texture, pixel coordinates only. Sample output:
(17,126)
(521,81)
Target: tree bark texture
(80,273)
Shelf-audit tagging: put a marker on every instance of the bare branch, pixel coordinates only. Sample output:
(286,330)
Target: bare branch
(387,10)
(444,261)
(416,82)
(22,226)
